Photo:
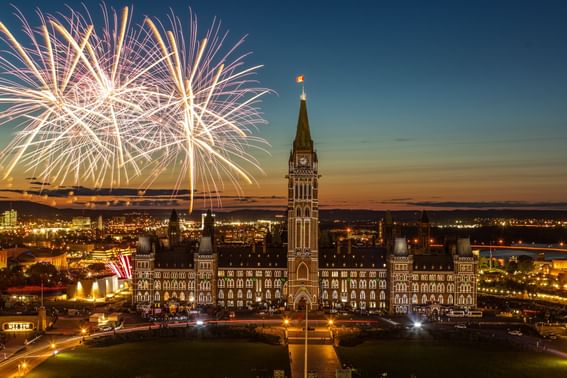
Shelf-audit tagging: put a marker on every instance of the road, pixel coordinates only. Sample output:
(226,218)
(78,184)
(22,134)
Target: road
(39,351)
(34,354)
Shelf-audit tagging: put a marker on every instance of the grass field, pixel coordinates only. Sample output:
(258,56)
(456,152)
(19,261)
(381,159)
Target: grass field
(438,359)
(166,358)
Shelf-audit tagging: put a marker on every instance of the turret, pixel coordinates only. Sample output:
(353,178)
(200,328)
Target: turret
(388,232)
(424,233)
(207,243)
(173,230)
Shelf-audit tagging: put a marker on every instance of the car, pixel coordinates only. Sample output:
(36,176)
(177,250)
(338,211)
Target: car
(551,336)
(106,328)
(515,333)
(461,326)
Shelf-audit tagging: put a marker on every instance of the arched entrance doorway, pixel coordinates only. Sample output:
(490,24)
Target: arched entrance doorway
(302,301)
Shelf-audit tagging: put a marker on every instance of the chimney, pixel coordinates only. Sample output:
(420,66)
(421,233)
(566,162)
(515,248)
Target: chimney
(338,246)
(349,246)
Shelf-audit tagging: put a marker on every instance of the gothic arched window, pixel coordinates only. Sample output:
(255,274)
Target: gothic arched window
(302,272)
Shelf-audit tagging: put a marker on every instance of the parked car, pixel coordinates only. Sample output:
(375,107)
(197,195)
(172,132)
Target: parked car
(461,326)
(515,333)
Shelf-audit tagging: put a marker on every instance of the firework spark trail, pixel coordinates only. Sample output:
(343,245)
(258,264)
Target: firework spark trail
(211,109)
(71,94)
(106,105)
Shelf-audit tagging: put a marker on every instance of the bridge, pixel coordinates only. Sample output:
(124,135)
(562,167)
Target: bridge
(521,248)
(513,247)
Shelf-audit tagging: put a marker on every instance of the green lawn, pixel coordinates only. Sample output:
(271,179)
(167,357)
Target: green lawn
(436,359)
(166,358)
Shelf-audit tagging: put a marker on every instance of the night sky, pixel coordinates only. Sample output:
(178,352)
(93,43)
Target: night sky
(411,103)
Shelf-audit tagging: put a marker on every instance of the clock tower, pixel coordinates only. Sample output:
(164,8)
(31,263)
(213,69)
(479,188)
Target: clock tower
(303,218)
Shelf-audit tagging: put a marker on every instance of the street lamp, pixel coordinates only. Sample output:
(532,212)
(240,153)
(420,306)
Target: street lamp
(22,369)
(286,324)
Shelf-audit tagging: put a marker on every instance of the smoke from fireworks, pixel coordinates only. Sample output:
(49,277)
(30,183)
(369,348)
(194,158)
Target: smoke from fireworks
(100,107)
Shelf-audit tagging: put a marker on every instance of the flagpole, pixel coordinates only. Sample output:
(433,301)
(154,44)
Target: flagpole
(301,80)
(306,338)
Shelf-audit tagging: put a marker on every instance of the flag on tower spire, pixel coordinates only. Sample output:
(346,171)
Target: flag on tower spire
(299,80)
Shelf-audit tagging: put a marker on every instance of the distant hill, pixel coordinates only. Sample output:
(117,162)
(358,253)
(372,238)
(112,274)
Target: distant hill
(28,209)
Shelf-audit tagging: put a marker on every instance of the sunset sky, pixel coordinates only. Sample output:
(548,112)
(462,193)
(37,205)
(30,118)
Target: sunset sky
(412,104)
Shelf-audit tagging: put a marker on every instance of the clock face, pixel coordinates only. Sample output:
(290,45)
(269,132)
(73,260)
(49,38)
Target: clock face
(303,160)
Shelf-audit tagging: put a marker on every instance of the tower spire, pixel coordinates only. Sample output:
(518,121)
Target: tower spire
(303,141)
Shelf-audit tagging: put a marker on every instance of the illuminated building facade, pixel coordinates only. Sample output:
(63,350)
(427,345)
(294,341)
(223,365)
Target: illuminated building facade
(9,218)
(304,271)
(430,280)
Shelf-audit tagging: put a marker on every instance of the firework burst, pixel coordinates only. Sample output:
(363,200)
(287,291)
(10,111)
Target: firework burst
(207,107)
(102,106)
(70,93)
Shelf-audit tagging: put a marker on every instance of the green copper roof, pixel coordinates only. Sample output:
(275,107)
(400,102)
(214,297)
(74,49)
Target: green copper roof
(303,135)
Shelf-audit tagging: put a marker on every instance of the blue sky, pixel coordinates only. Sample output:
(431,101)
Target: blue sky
(415,100)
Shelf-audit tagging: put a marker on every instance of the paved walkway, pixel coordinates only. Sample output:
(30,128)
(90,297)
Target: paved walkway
(322,359)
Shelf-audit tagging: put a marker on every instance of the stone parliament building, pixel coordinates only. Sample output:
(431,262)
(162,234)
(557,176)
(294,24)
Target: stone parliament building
(387,276)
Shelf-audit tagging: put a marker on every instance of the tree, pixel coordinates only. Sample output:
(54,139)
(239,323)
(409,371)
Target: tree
(525,264)
(512,267)
(41,271)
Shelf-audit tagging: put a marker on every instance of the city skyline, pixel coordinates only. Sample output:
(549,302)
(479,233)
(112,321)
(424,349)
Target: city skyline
(441,107)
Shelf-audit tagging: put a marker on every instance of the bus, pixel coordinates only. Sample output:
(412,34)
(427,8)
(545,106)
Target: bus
(456,314)
(474,314)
